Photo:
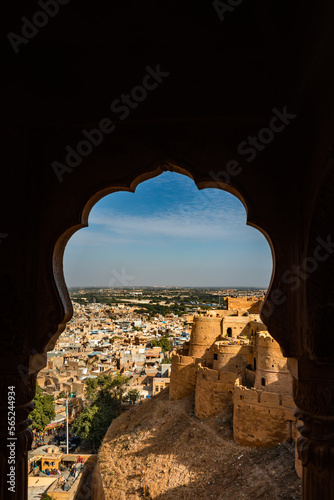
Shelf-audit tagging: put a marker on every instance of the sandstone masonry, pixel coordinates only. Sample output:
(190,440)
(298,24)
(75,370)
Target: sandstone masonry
(231,359)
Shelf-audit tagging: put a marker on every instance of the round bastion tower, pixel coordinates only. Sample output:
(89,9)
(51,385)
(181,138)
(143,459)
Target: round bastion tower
(184,369)
(205,331)
(272,373)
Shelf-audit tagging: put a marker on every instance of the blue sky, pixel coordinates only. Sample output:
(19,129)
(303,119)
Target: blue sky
(168,233)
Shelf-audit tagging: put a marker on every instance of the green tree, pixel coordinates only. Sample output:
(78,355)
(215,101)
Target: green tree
(90,388)
(93,422)
(62,394)
(163,343)
(133,394)
(44,410)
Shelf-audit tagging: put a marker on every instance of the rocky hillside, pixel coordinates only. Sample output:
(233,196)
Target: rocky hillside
(160,450)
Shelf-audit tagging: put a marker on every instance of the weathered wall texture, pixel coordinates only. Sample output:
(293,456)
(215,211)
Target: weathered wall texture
(256,325)
(272,373)
(231,358)
(250,304)
(263,406)
(183,377)
(204,332)
(234,326)
(213,391)
(262,419)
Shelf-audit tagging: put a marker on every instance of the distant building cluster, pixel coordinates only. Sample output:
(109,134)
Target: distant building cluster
(99,340)
(94,344)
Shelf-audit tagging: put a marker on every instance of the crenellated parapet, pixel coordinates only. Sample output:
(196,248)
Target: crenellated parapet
(214,391)
(264,339)
(272,372)
(183,376)
(232,355)
(205,330)
(247,373)
(262,419)
(250,304)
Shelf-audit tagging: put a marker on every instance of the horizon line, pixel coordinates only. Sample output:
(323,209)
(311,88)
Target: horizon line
(168,286)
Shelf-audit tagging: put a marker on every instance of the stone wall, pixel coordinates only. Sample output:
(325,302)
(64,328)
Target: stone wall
(159,384)
(54,362)
(204,332)
(233,326)
(213,391)
(183,376)
(256,325)
(251,304)
(262,419)
(231,357)
(73,364)
(272,373)
(263,415)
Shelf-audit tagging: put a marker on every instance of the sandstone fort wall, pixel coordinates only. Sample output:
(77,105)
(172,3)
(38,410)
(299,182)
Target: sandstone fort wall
(251,304)
(217,366)
(232,358)
(262,419)
(272,373)
(213,391)
(204,332)
(233,326)
(183,376)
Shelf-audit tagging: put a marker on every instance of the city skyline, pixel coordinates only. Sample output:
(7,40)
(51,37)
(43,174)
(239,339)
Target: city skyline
(168,233)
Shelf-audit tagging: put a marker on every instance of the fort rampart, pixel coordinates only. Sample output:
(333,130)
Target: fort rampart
(204,332)
(233,357)
(251,304)
(213,391)
(183,376)
(272,373)
(262,419)
(220,359)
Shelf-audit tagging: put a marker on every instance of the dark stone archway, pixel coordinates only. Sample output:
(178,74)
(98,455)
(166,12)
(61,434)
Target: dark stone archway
(220,90)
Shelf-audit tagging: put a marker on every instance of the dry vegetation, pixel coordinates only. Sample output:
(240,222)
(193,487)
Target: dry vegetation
(162,449)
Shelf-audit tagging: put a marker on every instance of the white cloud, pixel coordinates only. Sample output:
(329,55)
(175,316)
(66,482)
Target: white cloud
(205,215)
(163,237)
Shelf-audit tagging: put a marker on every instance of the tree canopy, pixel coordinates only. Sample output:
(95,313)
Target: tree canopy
(155,309)
(133,395)
(44,410)
(90,388)
(164,343)
(105,393)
